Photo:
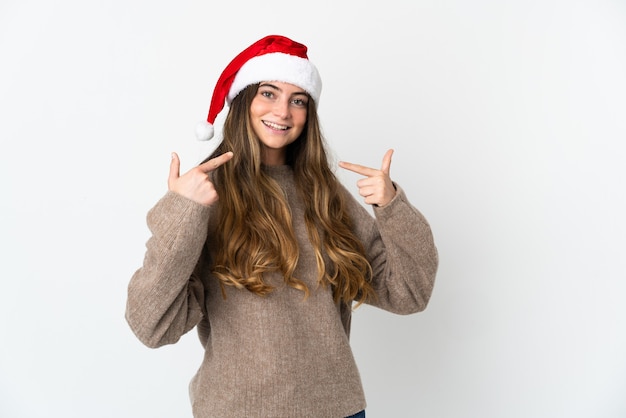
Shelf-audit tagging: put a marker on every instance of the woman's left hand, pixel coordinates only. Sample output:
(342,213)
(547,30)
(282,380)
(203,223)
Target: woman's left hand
(376,187)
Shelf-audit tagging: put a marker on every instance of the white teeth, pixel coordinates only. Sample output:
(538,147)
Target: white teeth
(275,126)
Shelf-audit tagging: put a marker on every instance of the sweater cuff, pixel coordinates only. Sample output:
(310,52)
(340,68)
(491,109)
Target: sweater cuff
(395,204)
(177,209)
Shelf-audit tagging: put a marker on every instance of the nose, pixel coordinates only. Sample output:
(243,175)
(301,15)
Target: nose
(281,108)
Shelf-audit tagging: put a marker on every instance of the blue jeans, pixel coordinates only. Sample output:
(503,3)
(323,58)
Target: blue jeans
(358,415)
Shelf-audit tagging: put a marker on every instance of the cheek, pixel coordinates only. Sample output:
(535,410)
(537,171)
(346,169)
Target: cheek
(300,120)
(259,107)
(254,109)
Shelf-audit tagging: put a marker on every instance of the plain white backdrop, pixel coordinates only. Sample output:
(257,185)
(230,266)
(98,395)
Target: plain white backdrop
(508,121)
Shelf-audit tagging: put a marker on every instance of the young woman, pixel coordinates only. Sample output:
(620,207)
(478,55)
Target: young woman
(265,253)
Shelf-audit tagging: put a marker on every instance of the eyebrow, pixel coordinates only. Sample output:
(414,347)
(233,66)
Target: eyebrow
(267,84)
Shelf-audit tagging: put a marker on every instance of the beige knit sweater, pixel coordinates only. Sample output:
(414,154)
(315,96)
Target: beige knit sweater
(279,355)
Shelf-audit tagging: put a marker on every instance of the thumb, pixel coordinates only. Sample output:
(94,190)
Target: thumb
(174,169)
(387,162)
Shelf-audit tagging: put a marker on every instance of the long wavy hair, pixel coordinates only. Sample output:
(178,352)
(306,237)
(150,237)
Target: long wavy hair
(256,234)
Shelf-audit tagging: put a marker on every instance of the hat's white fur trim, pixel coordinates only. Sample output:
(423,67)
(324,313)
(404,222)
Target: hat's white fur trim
(278,66)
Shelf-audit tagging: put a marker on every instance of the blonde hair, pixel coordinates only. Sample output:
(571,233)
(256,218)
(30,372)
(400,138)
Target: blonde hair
(256,234)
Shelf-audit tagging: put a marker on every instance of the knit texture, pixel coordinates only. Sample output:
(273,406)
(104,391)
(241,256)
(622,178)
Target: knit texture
(278,355)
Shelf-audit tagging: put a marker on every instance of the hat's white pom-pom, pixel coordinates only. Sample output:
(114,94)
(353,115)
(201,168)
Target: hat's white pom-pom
(204,131)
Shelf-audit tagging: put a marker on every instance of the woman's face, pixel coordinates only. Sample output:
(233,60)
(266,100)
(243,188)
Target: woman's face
(278,114)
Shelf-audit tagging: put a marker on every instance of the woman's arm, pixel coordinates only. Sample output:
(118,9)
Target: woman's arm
(400,248)
(164,298)
(399,244)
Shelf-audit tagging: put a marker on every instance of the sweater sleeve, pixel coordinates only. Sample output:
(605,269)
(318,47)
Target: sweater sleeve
(164,297)
(400,248)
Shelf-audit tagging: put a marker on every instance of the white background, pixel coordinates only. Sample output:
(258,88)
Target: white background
(508,121)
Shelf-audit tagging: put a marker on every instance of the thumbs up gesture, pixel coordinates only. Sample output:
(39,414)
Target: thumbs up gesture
(376,187)
(195,184)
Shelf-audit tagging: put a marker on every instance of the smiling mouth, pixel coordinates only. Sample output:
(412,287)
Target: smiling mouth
(275,126)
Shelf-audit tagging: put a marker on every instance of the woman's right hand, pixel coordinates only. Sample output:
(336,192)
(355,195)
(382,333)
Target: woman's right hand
(195,184)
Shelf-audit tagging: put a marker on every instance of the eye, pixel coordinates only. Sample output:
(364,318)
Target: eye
(266,93)
(300,102)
